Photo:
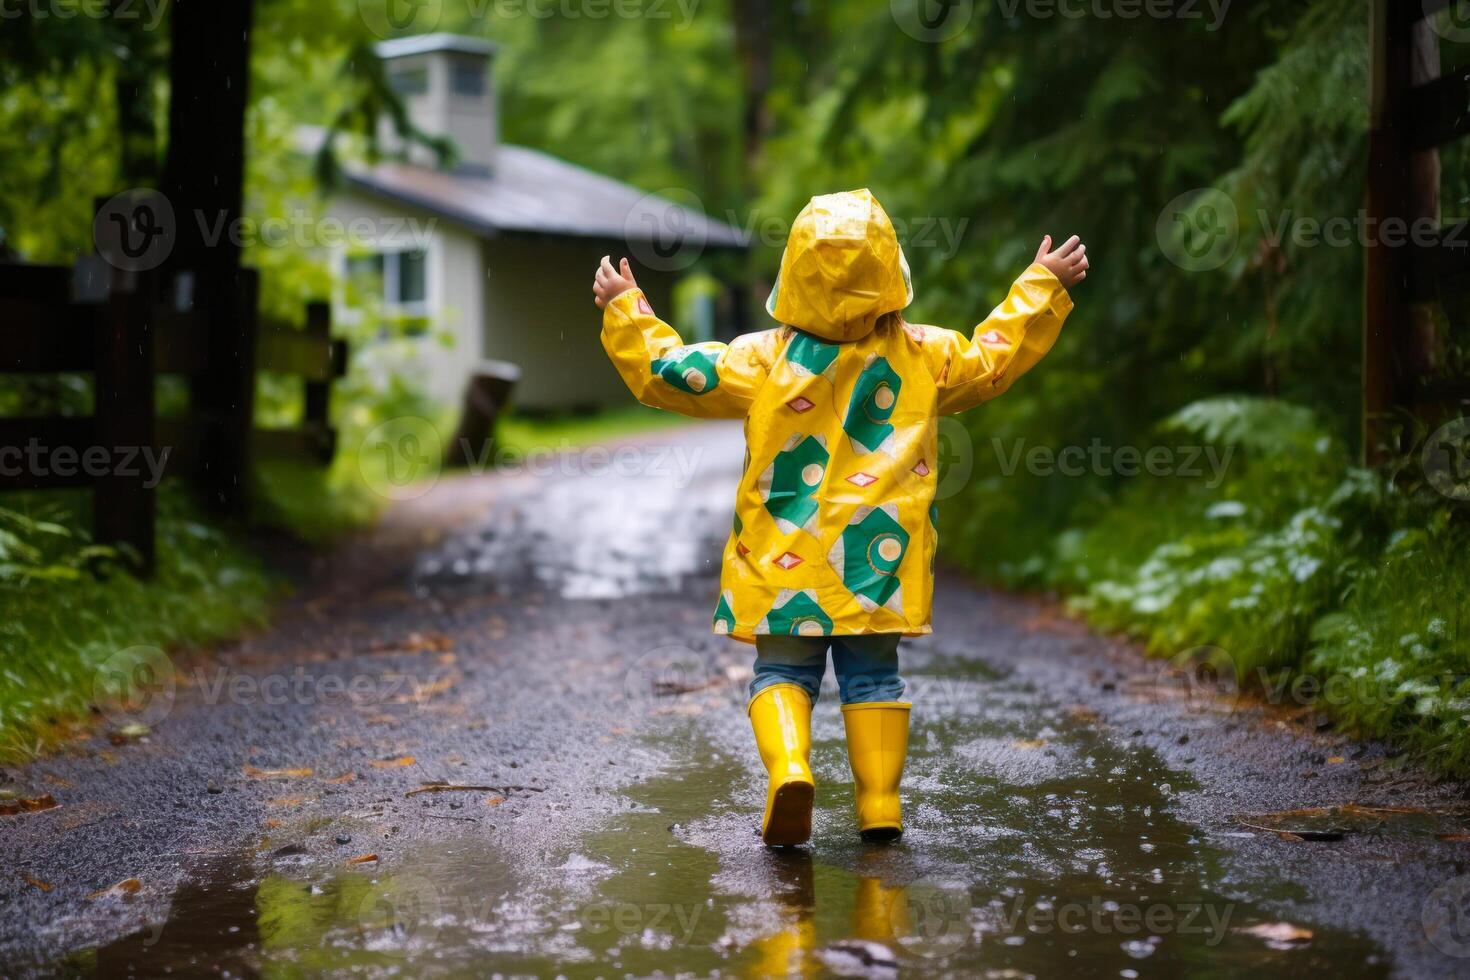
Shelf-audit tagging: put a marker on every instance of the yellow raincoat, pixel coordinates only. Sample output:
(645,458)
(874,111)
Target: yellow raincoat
(834,529)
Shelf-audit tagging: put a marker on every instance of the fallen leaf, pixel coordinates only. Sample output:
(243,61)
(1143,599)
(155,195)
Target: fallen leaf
(37,882)
(289,801)
(1335,760)
(416,642)
(1299,833)
(363,859)
(124,888)
(494,800)
(663,688)
(35,804)
(423,692)
(256,773)
(398,763)
(1278,935)
(1461,836)
(342,780)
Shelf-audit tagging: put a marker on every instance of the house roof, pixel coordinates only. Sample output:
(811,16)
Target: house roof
(531,192)
(401,47)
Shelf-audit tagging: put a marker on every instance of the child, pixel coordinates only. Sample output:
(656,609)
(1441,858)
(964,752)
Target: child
(834,536)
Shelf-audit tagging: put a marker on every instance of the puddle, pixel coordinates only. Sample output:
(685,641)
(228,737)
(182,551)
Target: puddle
(639,524)
(1037,843)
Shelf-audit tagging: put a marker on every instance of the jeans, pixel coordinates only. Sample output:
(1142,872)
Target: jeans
(866,665)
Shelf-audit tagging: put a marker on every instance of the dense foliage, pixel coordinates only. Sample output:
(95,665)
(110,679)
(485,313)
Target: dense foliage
(1202,155)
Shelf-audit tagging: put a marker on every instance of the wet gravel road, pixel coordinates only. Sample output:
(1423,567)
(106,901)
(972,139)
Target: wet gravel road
(496,737)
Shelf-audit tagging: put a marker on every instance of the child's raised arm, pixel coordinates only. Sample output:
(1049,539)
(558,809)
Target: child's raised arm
(709,380)
(1016,335)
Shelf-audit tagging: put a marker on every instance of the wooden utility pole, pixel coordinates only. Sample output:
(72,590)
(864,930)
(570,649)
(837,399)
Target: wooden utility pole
(1407,121)
(209,73)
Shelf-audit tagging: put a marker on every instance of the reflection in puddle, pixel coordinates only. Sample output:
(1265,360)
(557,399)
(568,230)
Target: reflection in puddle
(1038,843)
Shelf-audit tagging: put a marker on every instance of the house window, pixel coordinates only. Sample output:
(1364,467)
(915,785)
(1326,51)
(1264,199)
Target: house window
(400,278)
(409,81)
(467,77)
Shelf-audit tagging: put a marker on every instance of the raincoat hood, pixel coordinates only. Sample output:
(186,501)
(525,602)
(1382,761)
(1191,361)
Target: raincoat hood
(842,269)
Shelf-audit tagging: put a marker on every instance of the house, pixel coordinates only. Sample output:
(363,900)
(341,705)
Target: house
(498,250)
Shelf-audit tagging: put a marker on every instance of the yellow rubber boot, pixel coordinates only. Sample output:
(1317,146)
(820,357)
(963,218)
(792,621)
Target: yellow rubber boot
(782,718)
(877,741)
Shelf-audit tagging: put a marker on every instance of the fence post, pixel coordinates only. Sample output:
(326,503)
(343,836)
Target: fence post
(123,503)
(318,394)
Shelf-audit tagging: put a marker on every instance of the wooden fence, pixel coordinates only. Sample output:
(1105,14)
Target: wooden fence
(125,329)
(1417,272)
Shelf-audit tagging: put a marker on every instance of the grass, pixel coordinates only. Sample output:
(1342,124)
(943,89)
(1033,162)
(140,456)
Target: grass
(70,628)
(518,435)
(1315,578)
(77,630)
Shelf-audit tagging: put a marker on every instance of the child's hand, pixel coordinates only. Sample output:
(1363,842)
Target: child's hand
(610,283)
(1068,263)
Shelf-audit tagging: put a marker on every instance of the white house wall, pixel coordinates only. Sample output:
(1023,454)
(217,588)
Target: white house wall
(454,283)
(539,314)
